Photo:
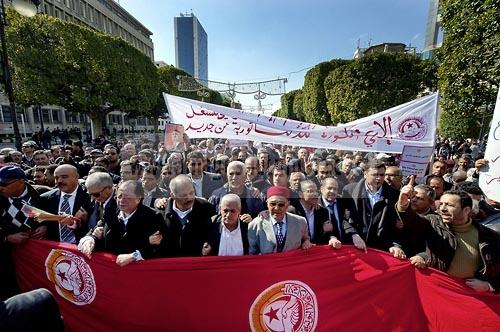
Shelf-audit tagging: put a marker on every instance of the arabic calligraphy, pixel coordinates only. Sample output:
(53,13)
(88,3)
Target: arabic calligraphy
(200,121)
(496,132)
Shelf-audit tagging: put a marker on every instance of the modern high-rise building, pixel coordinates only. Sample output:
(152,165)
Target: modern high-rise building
(191,46)
(434,31)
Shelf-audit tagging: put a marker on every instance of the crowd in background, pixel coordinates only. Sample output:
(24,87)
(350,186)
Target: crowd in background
(140,201)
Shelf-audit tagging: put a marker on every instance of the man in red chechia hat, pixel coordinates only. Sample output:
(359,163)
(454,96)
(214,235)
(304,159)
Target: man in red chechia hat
(277,231)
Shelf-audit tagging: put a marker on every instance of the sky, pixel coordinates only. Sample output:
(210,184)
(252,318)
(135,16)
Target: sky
(251,41)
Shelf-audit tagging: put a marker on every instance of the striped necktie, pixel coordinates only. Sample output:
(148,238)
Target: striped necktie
(67,234)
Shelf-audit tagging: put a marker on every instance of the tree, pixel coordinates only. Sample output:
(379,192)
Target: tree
(313,93)
(288,105)
(469,65)
(376,82)
(79,69)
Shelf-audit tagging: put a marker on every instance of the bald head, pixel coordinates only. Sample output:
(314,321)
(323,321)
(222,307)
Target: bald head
(66,178)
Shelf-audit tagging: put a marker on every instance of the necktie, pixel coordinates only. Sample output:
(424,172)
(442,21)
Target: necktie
(334,220)
(279,236)
(100,213)
(66,233)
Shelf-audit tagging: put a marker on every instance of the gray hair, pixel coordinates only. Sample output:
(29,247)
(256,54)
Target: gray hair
(306,183)
(179,181)
(137,185)
(238,165)
(429,192)
(231,198)
(98,180)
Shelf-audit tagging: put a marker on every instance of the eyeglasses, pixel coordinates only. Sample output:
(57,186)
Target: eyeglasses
(98,194)
(110,153)
(278,204)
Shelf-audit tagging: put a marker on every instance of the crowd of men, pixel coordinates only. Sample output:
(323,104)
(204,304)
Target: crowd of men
(216,199)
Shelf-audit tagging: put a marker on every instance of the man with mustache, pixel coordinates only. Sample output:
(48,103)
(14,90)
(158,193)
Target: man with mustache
(455,244)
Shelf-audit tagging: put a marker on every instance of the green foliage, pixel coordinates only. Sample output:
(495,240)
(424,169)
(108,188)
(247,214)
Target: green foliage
(314,98)
(57,62)
(298,106)
(469,65)
(287,105)
(376,82)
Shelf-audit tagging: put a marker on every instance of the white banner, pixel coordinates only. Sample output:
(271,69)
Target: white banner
(413,123)
(489,177)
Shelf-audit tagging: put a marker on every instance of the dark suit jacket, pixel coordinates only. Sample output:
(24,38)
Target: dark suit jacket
(215,230)
(211,181)
(344,211)
(188,240)
(120,239)
(321,215)
(249,204)
(49,202)
(157,193)
(377,226)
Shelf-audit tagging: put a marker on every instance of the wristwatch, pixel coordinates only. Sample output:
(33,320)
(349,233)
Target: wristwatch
(136,255)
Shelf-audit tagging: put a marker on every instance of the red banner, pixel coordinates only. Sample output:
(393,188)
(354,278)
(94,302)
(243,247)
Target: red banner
(317,290)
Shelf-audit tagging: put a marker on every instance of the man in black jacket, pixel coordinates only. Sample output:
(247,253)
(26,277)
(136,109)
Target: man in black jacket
(228,234)
(187,218)
(455,244)
(137,234)
(372,203)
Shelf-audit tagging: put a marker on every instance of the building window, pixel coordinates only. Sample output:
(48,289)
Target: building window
(55,116)
(45,115)
(7,117)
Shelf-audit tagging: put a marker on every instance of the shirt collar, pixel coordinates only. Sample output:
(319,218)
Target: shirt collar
(225,229)
(377,193)
(73,194)
(122,216)
(179,212)
(275,221)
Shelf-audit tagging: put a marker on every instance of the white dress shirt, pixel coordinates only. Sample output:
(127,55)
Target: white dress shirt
(231,243)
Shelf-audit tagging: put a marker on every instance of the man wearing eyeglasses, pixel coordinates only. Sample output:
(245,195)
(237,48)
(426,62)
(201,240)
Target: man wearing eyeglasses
(373,206)
(15,226)
(278,230)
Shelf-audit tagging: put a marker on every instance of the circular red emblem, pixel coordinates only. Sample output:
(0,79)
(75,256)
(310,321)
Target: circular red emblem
(413,129)
(71,276)
(288,305)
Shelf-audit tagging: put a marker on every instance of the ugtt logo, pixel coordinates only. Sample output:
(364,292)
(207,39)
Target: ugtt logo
(71,275)
(287,306)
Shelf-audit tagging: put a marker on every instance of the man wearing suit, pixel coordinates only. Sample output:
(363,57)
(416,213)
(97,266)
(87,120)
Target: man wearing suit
(204,182)
(340,215)
(138,234)
(104,208)
(372,202)
(150,178)
(278,231)
(318,218)
(228,233)
(236,175)
(69,199)
(187,218)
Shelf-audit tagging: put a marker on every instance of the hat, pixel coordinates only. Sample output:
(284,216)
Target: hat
(9,173)
(278,191)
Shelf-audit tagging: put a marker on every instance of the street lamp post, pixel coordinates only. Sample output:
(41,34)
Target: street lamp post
(26,8)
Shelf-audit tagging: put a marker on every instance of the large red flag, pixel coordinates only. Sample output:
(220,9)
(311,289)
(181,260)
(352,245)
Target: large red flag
(317,290)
